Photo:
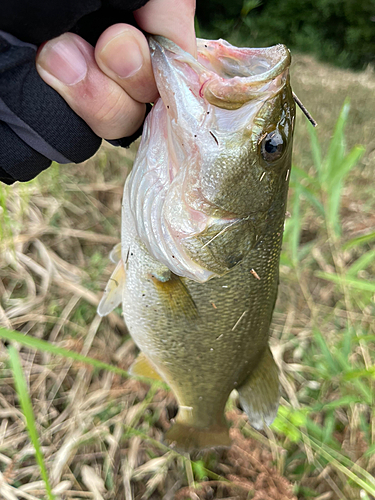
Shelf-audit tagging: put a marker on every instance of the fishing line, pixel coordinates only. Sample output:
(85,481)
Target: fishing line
(304,110)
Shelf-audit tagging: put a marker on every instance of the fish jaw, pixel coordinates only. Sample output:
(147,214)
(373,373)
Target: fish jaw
(201,137)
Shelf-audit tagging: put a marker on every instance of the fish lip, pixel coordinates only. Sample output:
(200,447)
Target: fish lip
(280,53)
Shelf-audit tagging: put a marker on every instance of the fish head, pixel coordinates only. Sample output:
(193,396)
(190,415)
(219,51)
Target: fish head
(218,145)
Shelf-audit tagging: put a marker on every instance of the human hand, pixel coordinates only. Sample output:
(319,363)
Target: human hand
(108,86)
(37,125)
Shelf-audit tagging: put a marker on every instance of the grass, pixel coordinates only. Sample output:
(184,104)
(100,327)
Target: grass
(27,410)
(42,345)
(100,431)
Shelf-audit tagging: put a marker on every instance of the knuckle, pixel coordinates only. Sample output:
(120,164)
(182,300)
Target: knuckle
(117,116)
(109,111)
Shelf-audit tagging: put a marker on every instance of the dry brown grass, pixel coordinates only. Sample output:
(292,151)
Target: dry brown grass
(101,434)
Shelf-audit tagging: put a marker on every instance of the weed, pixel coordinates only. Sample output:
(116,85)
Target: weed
(23,395)
(42,345)
(335,397)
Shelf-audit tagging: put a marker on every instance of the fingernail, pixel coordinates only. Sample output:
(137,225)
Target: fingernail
(63,60)
(122,55)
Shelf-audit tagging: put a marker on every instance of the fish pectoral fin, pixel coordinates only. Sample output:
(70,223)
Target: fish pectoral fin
(176,299)
(112,296)
(260,393)
(115,255)
(188,438)
(143,367)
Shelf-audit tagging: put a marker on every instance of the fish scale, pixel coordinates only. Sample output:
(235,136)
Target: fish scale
(198,271)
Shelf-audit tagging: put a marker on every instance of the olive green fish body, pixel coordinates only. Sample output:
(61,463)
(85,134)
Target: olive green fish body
(206,343)
(203,216)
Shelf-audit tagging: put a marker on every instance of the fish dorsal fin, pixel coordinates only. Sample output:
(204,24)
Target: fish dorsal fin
(115,254)
(260,393)
(143,367)
(112,296)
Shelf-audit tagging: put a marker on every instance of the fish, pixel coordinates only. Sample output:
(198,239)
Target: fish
(203,211)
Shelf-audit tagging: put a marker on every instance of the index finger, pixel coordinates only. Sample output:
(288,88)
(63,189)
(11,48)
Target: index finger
(173,19)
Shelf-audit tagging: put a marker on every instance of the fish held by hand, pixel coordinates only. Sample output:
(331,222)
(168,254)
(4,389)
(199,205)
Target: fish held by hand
(202,224)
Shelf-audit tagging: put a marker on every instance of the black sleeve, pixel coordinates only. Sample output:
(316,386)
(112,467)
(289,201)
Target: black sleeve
(36,124)
(36,21)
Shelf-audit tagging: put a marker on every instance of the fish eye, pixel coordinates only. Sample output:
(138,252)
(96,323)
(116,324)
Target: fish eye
(272,146)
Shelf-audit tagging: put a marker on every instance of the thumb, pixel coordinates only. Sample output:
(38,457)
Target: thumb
(173,19)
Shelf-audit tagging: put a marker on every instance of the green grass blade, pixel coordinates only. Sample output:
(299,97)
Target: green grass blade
(27,409)
(335,462)
(296,224)
(331,363)
(359,240)
(366,286)
(337,145)
(347,343)
(362,388)
(362,263)
(336,459)
(370,451)
(341,169)
(329,426)
(365,373)
(42,345)
(363,338)
(338,403)
(297,174)
(333,208)
(315,149)
(5,219)
(310,196)
(331,171)
(312,199)
(317,431)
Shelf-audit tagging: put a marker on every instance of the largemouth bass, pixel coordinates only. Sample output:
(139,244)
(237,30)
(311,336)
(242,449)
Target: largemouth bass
(202,224)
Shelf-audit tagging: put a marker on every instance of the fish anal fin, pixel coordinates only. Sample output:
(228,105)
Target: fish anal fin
(115,254)
(188,438)
(143,367)
(176,298)
(112,296)
(260,393)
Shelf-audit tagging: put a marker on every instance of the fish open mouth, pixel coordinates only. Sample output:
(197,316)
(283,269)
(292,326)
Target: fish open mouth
(230,62)
(232,76)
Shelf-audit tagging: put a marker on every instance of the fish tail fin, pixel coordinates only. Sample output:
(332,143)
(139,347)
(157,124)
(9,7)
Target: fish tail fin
(260,393)
(188,438)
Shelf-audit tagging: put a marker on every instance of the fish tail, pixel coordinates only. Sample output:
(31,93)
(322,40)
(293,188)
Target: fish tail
(188,438)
